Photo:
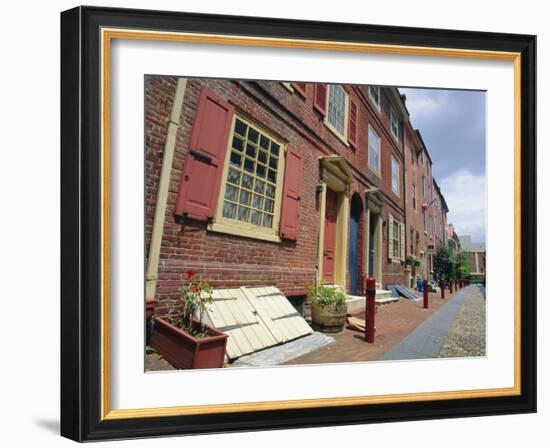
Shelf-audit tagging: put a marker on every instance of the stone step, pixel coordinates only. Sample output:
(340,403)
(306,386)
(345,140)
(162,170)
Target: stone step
(356,304)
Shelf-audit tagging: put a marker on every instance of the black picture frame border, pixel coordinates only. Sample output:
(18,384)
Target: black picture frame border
(81,224)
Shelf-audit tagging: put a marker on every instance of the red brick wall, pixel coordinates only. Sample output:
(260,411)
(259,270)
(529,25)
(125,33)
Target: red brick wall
(228,260)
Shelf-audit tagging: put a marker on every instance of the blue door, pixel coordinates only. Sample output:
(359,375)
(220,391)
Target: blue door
(353,255)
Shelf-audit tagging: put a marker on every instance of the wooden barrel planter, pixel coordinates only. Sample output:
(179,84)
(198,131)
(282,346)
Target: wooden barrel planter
(184,351)
(329,318)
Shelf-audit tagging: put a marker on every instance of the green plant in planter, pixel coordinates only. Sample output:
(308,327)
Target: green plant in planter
(328,308)
(324,295)
(409,261)
(195,296)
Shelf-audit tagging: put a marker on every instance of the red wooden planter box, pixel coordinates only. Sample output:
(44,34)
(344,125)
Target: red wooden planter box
(184,351)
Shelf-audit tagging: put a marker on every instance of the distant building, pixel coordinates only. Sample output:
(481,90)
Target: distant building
(476,255)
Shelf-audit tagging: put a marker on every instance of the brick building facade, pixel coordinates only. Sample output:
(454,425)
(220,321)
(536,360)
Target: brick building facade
(282,184)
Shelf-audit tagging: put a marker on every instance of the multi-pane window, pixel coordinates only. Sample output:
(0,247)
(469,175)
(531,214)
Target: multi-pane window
(395,176)
(414,196)
(337,108)
(251,185)
(412,240)
(374,150)
(374,92)
(395,237)
(394,121)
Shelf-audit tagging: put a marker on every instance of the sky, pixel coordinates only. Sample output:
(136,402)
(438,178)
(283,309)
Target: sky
(452,125)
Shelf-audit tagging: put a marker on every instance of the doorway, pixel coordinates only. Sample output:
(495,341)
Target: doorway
(372,242)
(354,251)
(329,246)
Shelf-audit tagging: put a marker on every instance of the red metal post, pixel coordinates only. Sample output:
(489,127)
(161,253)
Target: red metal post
(442,287)
(370,310)
(425,294)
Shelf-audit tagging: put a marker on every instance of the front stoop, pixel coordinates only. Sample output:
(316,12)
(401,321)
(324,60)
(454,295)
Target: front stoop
(356,304)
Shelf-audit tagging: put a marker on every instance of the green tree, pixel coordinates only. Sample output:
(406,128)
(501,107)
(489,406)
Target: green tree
(463,266)
(445,264)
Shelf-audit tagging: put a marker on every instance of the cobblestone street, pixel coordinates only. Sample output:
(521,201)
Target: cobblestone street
(466,336)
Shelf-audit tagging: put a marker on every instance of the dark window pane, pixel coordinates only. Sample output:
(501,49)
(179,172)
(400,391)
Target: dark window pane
(235,159)
(240,127)
(262,156)
(249,165)
(251,150)
(273,162)
(272,176)
(253,135)
(274,149)
(237,143)
(264,142)
(260,171)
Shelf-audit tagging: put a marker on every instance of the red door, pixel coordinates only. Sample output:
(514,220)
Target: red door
(330,237)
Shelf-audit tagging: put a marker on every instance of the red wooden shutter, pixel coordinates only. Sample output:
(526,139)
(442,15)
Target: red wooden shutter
(300,87)
(290,210)
(320,102)
(352,125)
(202,172)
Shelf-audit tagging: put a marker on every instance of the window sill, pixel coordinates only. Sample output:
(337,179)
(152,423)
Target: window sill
(247,233)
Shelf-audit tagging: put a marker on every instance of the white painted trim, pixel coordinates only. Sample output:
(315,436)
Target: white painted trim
(151,272)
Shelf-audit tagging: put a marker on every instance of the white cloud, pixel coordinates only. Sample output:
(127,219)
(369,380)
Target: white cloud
(422,103)
(465,196)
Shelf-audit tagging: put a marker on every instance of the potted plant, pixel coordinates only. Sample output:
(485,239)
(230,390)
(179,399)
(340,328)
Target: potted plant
(182,337)
(328,308)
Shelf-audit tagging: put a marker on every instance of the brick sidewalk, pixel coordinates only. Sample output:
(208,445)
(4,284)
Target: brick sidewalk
(394,322)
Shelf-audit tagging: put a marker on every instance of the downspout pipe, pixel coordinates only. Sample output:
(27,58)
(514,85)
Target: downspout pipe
(151,273)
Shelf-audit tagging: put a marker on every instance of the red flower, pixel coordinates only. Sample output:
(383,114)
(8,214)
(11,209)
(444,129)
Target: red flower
(190,273)
(196,289)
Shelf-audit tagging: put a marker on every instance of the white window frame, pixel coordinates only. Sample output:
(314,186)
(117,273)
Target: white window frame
(233,226)
(394,117)
(343,137)
(376,104)
(395,164)
(375,169)
(396,247)
(397,242)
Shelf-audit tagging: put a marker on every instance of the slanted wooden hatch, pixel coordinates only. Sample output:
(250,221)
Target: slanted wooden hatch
(255,319)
